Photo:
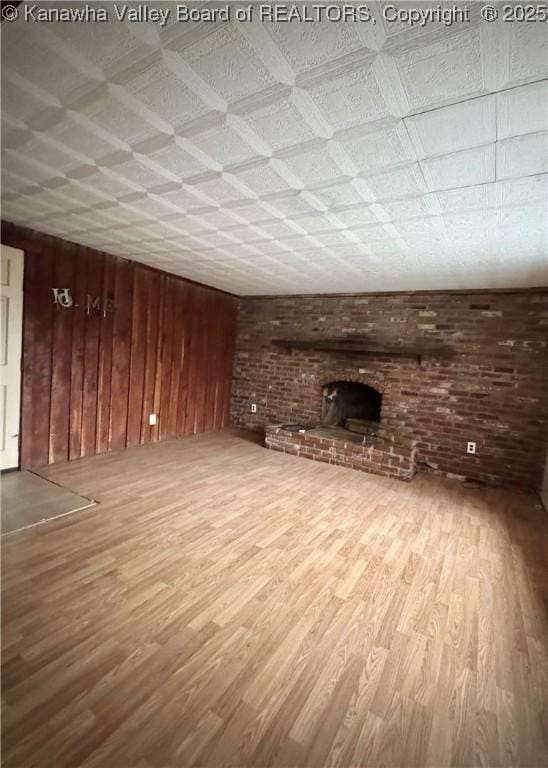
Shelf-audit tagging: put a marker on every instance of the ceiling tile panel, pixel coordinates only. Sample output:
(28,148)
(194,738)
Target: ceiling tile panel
(114,118)
(351,98)
(337,195)
(58,82)
(177,161)
(411,208)
(291,203)
(401,183)
(442,72)
(227,62)
(356,216)
(222,143)
(387,148)
(522,155)
(313,166)
(522,191)
(80,135)
(17,103)
(279,124)
(460,169)
(528,56)
(110,48)
(448,129)
(522,110)
(466,198)
(285,157)
(311,45)
(175,102)
(263,179)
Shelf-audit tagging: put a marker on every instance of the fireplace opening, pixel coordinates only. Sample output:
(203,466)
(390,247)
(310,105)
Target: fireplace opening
(351,406)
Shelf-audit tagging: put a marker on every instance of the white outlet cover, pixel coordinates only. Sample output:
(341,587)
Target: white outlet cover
(470,447)
(152,419)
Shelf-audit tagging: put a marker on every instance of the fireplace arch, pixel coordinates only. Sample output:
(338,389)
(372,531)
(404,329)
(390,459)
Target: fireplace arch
(350,405)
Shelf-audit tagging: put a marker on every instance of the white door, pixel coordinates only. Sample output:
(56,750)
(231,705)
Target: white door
(11,328)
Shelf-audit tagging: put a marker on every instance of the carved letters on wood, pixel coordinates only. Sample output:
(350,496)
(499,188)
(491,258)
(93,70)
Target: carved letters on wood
(62,298)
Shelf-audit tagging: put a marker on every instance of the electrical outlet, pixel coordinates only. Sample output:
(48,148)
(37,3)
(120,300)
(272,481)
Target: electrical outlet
(253,407)
(152,419)
(470,447)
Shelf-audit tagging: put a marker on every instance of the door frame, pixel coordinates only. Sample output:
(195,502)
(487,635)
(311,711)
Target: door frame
(17,467)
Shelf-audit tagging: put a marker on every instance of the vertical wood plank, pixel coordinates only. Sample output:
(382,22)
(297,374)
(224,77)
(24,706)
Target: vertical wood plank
(220,394)
(220,342)
(229,348)
(93,320)
(64,271)
(176,357)
(226,342)
(42,307)
(194,363)
(31,323)
(138,355)
(77,356)
(102,435)
(211,363)
(153,316)
(203,354)
(186,322)
(155,430)
(121,354)
(167,357)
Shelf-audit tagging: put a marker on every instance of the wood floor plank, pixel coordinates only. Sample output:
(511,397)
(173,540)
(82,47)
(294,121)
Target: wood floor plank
(224,605)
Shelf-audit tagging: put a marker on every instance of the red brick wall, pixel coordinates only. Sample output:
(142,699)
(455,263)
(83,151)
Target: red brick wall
(493,390)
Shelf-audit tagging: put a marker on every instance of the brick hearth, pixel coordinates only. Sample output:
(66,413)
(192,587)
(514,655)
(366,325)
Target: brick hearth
(377,455)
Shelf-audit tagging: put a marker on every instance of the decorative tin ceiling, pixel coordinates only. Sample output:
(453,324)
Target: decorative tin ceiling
(296,157)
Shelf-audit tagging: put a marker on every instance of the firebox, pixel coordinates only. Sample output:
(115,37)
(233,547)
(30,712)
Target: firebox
(352,406)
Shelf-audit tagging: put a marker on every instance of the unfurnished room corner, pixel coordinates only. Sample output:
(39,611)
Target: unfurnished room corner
(274,385)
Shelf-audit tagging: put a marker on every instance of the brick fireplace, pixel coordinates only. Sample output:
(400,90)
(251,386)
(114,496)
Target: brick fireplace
(490,385)
(348,431)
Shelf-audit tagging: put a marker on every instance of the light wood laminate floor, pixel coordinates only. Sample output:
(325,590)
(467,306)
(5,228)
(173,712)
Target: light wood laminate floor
(225,605)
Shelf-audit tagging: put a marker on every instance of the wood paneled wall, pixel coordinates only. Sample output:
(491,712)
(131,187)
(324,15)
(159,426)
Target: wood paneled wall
(89,382)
